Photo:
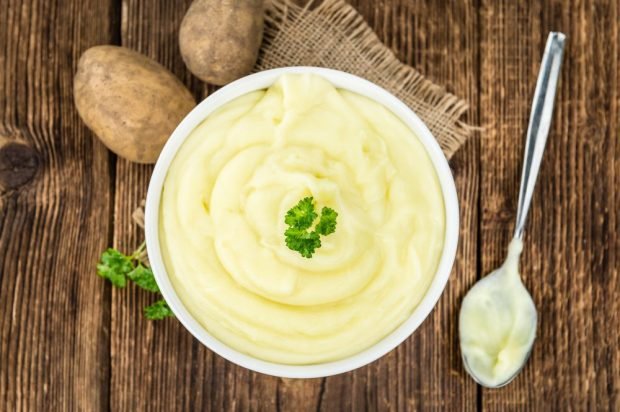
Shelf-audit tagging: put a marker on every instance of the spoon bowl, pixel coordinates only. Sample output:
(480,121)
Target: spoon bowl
(497,324)
(510,310)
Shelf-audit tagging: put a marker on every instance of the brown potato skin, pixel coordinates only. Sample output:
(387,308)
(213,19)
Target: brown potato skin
(131,102)
(219,39)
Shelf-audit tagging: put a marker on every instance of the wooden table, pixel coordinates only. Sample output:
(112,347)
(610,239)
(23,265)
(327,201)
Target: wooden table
(69,341)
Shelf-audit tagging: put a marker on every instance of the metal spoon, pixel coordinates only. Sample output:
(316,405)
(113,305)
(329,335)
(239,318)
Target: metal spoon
(501,296)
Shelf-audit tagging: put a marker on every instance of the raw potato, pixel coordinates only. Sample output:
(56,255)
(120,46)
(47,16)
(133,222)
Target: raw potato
(131,102)
(219,40)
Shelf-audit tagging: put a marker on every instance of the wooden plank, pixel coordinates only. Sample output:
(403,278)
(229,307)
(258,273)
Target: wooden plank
(151,358)
(511,48)
(570,260)
(425,372)
(54,211)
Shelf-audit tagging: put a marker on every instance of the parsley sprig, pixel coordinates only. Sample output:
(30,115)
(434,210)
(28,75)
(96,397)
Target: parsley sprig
(299,219)
(117,268)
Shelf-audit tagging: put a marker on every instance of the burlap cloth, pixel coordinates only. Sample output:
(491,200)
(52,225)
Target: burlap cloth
(334,35)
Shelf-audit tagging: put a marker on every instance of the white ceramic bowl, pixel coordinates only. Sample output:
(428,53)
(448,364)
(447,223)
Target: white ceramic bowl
(341,80)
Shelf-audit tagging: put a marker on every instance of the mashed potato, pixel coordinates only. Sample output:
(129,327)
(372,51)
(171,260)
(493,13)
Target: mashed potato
(222,222)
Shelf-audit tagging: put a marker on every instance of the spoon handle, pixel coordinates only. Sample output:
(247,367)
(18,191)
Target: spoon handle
(540,121)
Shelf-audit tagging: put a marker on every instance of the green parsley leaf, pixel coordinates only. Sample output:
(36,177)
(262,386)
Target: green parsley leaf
(327,224)
(117,268)
(158,310)
(143,277)
(114,266)
(299,219)
(301,215)
(302,241)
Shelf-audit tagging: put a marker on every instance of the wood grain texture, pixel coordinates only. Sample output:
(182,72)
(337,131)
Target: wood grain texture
(54,312)
(570,259)
(67,341)
(151,361)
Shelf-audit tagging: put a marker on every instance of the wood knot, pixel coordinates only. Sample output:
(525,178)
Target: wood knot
(18,165)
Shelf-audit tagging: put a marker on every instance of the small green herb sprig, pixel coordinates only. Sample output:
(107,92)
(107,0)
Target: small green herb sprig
(118,268)
(299,219)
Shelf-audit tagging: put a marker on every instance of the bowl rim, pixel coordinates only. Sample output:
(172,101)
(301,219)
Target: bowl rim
(342,80)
